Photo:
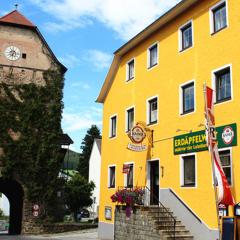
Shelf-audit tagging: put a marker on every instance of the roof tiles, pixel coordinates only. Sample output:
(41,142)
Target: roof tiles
(17,18)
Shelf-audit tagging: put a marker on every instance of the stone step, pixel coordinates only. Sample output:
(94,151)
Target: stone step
(182,237)
(163,226)
(178,232)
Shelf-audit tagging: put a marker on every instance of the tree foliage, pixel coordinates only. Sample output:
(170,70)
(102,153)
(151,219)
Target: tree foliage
(30,126)
(78,192)
(86,146)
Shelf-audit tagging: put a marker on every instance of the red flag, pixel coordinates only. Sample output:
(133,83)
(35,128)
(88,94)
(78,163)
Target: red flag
(224,191)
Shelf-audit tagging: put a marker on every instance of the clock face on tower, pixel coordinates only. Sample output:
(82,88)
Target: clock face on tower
(12,53)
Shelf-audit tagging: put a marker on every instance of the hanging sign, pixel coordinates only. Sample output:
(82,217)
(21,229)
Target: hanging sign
(196,141)
(137,148)
(137,134)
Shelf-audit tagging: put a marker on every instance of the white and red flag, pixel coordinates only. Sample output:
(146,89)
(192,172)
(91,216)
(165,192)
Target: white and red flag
(224,191)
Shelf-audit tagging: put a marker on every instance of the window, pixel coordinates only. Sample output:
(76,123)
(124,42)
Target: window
(188,171)
(130,70)
(153,56)
(225,158)
(130,119)
(223,85)
(129,176)
(113,126)
(188,98)
(152,110)
(219,17)
(186,36)
(111,176)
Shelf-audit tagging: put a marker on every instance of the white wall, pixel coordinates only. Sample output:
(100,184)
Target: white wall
(94,174)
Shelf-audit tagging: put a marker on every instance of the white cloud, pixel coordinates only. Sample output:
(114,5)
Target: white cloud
(81,84)
(99,59)
(78,121)
(125,17)
(70,61)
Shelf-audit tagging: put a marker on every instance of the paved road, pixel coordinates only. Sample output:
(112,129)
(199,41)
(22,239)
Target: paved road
(79,235)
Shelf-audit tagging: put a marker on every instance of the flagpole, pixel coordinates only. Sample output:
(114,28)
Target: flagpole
(212,159)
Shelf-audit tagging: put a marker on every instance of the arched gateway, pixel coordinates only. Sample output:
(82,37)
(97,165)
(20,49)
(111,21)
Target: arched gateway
(14,192)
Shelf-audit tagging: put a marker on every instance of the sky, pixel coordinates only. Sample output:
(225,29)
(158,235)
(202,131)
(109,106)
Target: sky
(83,34)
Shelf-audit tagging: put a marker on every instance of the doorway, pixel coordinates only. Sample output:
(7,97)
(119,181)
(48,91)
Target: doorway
(154,182)
(14,193)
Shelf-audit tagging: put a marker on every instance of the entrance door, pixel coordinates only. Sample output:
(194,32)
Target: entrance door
(154,182)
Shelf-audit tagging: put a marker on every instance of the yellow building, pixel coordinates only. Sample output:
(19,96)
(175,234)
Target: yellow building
(157,78)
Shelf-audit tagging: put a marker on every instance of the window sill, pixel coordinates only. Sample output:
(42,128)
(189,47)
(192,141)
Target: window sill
(129,79)
(152,123)
(187,112)
(188,186)
(185,49)
(223,100)
(151,67)
(111,187)
(219,30)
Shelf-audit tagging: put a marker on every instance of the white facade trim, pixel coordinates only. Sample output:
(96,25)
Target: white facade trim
(181,113)
(148,56)
(213,73)
(127,70)
(180,49)
(211,20)
(125,175)
(126,117)
(108,185)
(182,171)
(147,110)
(110,126)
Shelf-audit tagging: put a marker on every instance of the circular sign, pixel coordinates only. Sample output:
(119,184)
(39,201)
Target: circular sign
(137,134)
(35,207)
(35,213)
(227,135)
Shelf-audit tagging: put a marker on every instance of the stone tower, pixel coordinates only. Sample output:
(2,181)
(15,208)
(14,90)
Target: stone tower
(25,53)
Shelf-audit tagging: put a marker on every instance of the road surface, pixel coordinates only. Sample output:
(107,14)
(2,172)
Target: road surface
(78,235)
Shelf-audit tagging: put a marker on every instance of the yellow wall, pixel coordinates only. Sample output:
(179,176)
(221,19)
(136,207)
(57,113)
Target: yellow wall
(208,53)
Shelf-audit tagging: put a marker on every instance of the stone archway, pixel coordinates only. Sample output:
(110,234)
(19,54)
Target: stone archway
(14,192)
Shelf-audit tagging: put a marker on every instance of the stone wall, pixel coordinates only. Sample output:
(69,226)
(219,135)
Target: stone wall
(139,226)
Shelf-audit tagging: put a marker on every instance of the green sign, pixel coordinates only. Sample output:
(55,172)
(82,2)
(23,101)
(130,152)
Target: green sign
(196,141)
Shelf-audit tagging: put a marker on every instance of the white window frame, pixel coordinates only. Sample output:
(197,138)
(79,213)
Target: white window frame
(128,79)
(211,18)
(110,126)
(214,83)
(181,113)
(126,117)
(182,171)
(148,56)
(109,166)
(180,37)
(147,110)
(230,150)
(125,174)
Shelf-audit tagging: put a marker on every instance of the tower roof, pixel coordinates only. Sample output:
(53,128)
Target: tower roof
(17,18)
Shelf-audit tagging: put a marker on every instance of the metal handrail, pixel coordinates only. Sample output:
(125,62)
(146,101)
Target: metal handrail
(160,205)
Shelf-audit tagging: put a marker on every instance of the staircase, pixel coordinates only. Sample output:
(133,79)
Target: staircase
(164,225)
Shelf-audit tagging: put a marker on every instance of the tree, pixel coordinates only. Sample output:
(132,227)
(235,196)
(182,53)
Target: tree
(78,192)
(86,147)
